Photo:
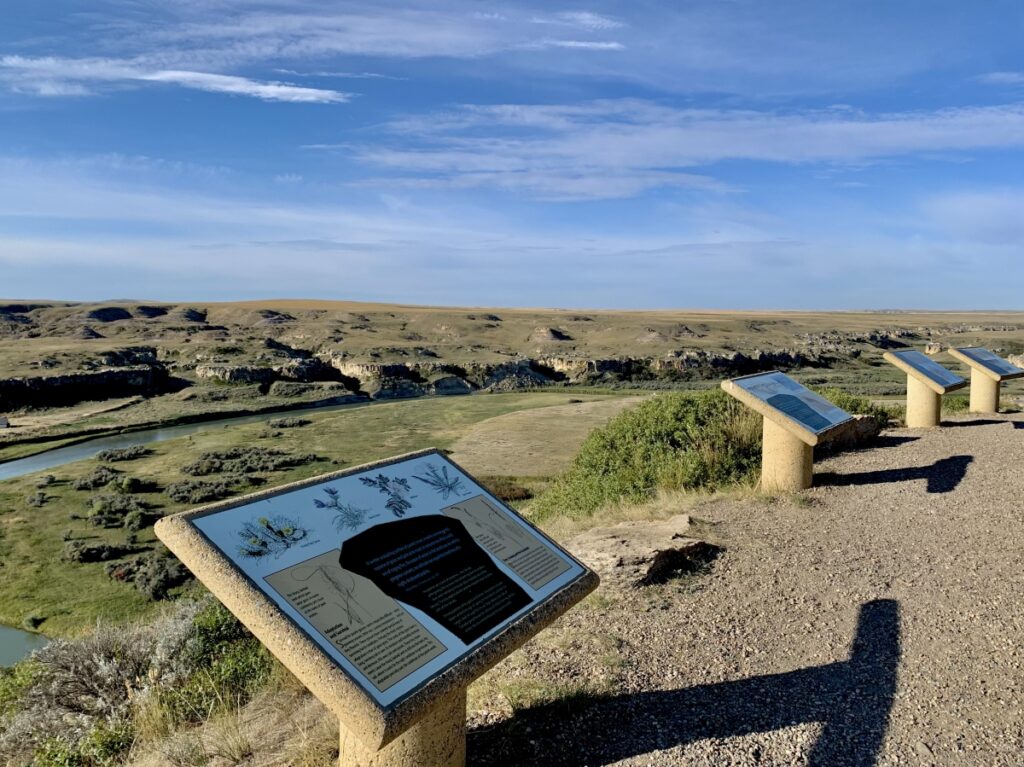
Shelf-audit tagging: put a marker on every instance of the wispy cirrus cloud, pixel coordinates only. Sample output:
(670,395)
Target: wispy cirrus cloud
(1002,78)
(54,76)
(620,148)
(579,19)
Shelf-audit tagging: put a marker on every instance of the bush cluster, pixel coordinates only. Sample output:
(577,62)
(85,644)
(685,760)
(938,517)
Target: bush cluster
(288,423)
(245,460)
(36,499)
(100,477)
(128,511)
(680,440)
(79,702)
(80,552)
(955,404)
(153,574)
(857,405)
(201,491)
(123,453)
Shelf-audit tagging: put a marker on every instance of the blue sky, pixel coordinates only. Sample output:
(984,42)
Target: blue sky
(723,154)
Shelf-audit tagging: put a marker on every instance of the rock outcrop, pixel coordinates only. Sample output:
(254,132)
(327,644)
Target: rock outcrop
(67,389)
(644,553)
(235,374)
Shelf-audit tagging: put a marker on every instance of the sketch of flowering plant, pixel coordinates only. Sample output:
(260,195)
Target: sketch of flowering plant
(396,488)
(269,537)
(348,517)
(442,482)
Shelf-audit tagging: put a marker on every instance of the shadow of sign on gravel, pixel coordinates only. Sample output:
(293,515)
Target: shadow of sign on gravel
(975,422)
(852,698)
(943,476)
(889,440)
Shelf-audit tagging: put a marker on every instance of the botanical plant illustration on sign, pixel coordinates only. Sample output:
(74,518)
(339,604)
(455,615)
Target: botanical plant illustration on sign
(396,489)
(442,482)
(348,517)
(269,537)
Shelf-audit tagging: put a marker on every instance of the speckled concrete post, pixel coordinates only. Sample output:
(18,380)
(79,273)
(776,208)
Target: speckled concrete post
(984,392)
(438,740)
(787,462)
(924,405)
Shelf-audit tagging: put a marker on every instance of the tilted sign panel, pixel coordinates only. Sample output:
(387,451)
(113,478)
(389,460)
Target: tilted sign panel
(396,572)
(990,360)
(929,368)
(799,403)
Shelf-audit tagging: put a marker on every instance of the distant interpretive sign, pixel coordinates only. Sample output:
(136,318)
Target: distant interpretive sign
(990,362)
(396,572)
(795,402)
(922,367)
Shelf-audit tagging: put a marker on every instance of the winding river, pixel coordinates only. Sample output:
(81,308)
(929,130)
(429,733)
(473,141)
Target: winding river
(89,448)
(16,644)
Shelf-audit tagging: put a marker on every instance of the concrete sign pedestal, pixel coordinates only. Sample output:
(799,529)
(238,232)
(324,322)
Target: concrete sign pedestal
(924,406)
(787,462)
(386,589)
(988,371)
(927,381)
(795,420)
(439,738)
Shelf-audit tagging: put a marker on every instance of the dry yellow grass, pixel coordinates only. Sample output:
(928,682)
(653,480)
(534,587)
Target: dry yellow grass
(541,442)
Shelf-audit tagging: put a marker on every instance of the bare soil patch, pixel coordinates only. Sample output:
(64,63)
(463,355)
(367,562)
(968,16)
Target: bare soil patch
(539,442)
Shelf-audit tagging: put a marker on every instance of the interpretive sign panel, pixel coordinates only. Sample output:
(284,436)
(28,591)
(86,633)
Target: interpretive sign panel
(794,401)
(977,357)
(915,363)
(397,571)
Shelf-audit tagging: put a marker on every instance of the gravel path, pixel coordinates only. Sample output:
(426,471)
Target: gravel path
(872,620)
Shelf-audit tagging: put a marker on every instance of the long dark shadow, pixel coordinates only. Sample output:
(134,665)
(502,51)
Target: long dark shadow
(943,476)
(975,422)
(890,440)
(852,698)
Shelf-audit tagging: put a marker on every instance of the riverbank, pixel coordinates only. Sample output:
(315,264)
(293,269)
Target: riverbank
(69,597)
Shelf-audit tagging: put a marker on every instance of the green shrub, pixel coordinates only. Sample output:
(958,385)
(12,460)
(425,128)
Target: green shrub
(955,404)
(288,423)
(123,453)
(104,746)
(229,666)
(857,405)
(101,476)
(244,460)
(15,682)
(704,440)
(199,491)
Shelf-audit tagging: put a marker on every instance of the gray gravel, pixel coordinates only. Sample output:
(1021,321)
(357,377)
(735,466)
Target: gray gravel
(914,547)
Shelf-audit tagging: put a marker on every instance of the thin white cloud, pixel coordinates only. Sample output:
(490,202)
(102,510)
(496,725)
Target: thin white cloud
(585,45)
(53,76)
(580,19)
(598,145)
(340,75)
(1003,78)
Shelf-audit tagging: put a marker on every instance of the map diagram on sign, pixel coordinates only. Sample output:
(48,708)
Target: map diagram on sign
(396,572)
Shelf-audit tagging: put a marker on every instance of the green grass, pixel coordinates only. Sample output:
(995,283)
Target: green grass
(69,597)
(679,440)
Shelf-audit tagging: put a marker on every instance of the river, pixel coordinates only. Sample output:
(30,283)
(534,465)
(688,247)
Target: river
(15,644)
(81,451)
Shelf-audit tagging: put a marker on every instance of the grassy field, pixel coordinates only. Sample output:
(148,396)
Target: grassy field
(68,597)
